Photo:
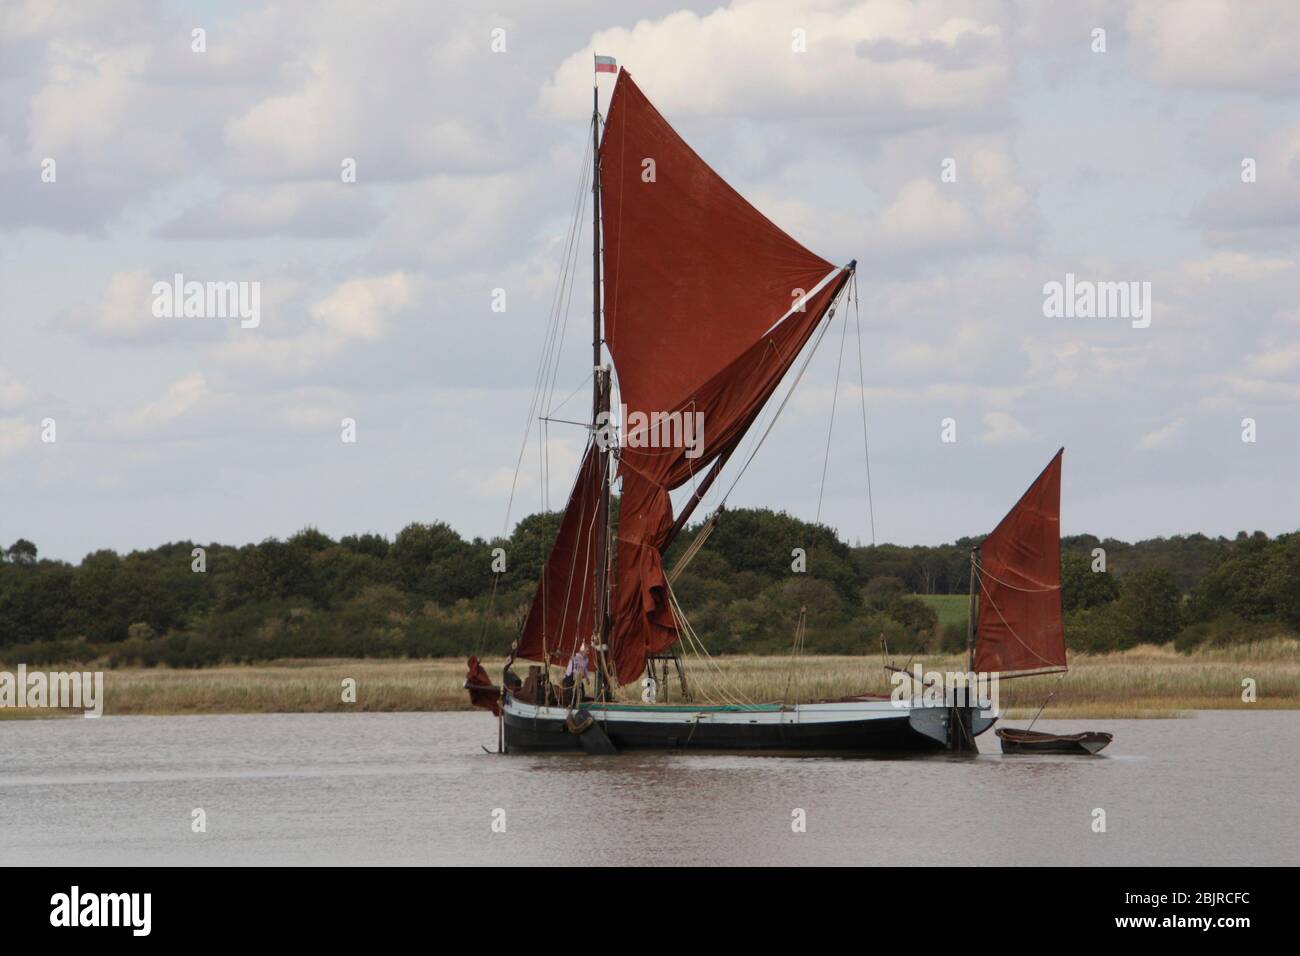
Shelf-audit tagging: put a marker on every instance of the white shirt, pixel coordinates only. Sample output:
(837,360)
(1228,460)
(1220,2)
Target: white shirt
(577,665)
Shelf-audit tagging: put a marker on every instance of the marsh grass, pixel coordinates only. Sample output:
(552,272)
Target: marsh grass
(1145,681)
(1142,682)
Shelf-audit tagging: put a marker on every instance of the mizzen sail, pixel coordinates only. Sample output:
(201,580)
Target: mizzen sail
(1019,630)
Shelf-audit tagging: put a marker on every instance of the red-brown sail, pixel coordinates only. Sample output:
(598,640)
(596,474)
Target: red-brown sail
(1019,630)
(707,304)
(563,610)
(482,693)
(694,275)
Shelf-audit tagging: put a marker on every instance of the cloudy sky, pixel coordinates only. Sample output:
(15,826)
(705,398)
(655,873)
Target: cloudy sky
(376,296)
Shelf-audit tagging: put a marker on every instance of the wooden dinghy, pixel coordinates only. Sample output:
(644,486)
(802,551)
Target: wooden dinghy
(1032,742)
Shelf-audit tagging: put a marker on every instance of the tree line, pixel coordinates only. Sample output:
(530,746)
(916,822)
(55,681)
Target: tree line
(430,592)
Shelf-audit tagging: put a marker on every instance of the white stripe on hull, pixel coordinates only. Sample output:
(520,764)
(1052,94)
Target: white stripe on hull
(799,714)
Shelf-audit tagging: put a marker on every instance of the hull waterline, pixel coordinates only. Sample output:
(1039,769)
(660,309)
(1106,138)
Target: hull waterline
(850,727)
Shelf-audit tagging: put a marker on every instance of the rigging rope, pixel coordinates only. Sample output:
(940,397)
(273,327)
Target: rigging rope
(821,333)
(862,395)
(985,573)
(550,354)
(571,248)
(547,369)
(800,630)
(693,548)
(696,646)
(586,380)
(830,427)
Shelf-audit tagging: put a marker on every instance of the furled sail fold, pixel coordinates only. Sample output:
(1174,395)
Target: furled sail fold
(1019,629)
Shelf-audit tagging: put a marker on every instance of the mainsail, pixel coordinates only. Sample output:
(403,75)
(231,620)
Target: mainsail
(1019,629)
(707,304)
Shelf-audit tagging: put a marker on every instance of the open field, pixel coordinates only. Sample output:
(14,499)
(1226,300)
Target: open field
(951,608)
(1142,682)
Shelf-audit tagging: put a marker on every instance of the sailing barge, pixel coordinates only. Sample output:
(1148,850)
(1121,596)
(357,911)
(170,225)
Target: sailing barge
(704,305)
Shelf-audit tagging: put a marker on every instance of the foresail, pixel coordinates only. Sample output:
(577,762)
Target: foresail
(1019,630)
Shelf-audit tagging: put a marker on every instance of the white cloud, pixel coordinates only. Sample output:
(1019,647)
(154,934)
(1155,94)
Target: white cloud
(1002,429)
(343,62)
(358,311)
(1239,266)
(1280,360)
(890,62)
(467,163)
(1218,44)
(1264,213)
(182,395)
(1074,363)
(15,434)
(358,308)
(921,213)
(1166,436)
(562,458)
(303,210)
(454,222)
(13,393)
(125,310)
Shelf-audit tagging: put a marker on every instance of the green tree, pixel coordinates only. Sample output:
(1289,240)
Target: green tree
(1151,602)
(1083,587)
(21,551)
(916,617)
(881,591)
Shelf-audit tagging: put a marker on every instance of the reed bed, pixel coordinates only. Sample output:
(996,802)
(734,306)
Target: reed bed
(1146,681)
(1143,682)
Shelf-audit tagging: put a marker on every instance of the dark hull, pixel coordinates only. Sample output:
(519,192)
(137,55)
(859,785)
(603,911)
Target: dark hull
(1029,742)
(885,736)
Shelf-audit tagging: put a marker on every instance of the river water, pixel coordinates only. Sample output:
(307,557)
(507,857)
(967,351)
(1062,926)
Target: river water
(1216,788)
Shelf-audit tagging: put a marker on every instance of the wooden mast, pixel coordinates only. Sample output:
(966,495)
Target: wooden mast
(600,410)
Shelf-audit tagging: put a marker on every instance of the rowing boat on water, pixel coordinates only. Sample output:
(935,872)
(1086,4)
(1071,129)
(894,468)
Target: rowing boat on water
(1016,741)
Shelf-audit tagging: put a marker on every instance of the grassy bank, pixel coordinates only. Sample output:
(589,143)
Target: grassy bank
(1142,682)
(951,608)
